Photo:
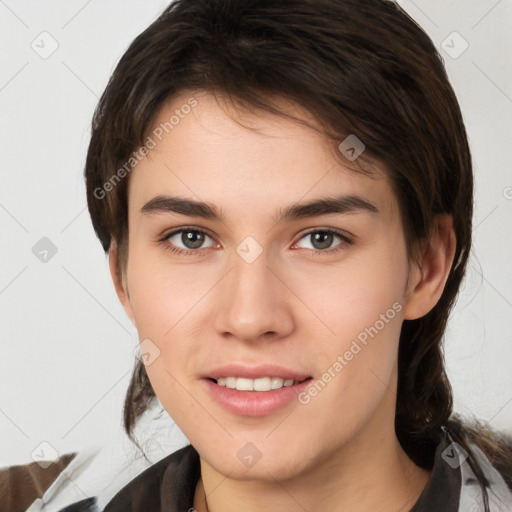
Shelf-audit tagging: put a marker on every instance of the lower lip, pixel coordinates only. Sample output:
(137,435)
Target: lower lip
(254,403)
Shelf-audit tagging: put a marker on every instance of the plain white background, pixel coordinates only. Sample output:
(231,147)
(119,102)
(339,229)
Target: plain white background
(66,344)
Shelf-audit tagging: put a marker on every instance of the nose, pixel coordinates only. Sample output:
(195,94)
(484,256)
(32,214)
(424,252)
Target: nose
(254,302)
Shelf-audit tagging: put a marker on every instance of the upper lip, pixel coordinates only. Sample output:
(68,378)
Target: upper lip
(254,372)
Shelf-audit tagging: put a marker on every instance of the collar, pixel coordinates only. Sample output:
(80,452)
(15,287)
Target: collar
(442,490)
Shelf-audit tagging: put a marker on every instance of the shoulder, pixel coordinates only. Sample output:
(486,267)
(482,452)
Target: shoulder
(144,492)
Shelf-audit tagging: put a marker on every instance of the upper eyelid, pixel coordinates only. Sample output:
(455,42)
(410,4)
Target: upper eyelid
(185,229)
(336,231)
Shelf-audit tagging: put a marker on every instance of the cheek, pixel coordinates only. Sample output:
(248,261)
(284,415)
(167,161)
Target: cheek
(166,301)
(359,321)
(163,301)
(351,295)
(358,310)
(357,361)
(163,294)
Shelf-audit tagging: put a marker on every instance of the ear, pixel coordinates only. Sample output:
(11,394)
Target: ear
(427,277)
(120,281)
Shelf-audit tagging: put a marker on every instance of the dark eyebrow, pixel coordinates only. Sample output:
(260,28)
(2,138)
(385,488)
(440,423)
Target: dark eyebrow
(315,208)
(173,204)
(326,206)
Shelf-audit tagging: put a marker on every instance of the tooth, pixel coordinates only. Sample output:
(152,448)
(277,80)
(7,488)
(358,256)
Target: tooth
(262,384)
(259,384)
(230,382)
(277,383)
(243,384)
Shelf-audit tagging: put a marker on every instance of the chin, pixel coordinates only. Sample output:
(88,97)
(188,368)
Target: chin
(271,466)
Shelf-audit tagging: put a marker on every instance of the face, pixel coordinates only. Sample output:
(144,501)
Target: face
(317,293)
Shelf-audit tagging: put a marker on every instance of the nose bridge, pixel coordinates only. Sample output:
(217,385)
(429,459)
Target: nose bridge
(253,300)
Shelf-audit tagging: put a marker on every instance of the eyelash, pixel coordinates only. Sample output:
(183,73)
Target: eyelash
(345,240)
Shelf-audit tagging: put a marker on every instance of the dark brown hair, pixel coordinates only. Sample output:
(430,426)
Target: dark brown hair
(361,67)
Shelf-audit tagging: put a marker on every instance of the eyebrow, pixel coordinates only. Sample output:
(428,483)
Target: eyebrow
(323,206)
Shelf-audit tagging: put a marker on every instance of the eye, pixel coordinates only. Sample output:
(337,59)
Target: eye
(322,239)
(191,241)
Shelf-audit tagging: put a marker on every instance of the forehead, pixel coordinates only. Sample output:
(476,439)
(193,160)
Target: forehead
(204,147)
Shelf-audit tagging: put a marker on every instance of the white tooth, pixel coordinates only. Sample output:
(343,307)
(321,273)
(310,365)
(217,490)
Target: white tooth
(277,383)
(262,384)
(230,382)
(259,384)
(243,384)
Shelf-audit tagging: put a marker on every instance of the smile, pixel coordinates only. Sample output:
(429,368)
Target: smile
(254,397)
(259,384)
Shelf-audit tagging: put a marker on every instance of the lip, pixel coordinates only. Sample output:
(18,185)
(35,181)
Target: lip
(254,403)
(254,372)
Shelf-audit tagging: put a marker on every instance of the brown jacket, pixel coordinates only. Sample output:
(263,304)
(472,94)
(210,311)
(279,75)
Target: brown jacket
(21,485)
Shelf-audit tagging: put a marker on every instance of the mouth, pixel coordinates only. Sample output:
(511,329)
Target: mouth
(248,390)
(260,396)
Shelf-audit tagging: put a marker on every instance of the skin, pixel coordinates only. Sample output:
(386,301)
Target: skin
(296,305)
